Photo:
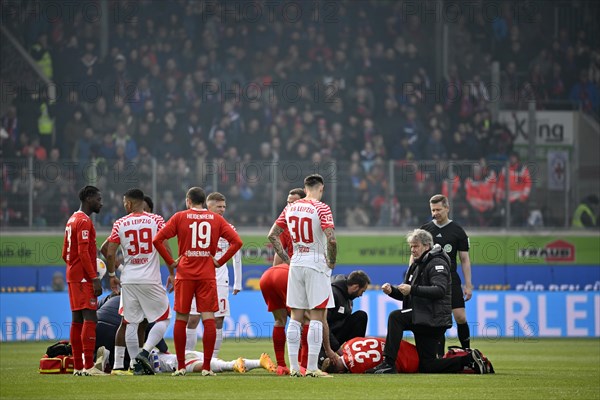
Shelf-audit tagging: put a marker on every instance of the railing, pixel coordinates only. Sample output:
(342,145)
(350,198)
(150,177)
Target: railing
(388,194)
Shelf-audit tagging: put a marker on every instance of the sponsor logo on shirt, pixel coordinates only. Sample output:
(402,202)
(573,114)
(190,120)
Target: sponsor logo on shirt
(439,268)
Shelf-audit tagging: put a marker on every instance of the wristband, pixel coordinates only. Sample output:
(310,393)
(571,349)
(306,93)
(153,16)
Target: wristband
(111,274)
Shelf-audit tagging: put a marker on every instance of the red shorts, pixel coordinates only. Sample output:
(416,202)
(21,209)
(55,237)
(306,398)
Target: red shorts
(205,292)
(81,296)
(273,285)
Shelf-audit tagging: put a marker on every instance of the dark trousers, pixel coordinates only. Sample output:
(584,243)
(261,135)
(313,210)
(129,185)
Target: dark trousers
(354,326)
(426,340)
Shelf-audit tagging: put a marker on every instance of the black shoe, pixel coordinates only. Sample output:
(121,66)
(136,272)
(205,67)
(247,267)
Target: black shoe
(383,368)
(145,363)
(479,364)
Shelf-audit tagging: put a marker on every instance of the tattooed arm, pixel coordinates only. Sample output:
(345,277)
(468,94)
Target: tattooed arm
(277,246)
(331,247)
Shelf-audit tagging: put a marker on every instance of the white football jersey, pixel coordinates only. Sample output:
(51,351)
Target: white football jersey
(168,362)
(223,272)
(306,221)
(134,232)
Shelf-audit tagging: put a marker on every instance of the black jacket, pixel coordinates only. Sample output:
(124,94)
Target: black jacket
(430,296)
(342,310)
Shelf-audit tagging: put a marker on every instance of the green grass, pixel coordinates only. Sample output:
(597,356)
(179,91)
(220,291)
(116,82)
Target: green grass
(525,369)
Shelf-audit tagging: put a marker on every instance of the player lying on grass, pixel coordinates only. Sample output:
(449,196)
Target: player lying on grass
(195,359)
(363,353)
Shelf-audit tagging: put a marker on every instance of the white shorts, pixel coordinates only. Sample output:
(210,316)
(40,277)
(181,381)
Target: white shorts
(139,301)
(223,294)
(308,288)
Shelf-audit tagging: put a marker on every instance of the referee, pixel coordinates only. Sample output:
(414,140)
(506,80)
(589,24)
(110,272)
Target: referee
(453,239)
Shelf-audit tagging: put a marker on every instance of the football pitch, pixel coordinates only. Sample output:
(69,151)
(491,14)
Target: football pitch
(525,369)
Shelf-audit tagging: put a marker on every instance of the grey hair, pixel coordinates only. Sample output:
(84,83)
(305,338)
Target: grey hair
(420,235)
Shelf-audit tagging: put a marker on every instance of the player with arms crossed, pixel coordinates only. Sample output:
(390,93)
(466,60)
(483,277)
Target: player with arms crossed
(79,253)
(273,286)
(198,231)
(311,227)
(216,202)
(142,293)
(453,239)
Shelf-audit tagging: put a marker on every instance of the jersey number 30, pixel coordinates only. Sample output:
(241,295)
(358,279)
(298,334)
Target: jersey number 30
(301,229)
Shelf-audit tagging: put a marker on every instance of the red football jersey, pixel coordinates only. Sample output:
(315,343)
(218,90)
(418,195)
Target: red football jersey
(361,354)
(286,241)
(198,232)
(79,248)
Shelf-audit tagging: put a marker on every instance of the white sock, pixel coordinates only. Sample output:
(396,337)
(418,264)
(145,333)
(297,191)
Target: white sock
(156,334)
(217,365)
(294,332)
(131,341)
(218,343)
(119,357)
(191,339)
(315,340)
(251,364)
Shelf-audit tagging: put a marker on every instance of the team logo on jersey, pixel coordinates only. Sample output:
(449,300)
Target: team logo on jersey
(85,235)
(448,248)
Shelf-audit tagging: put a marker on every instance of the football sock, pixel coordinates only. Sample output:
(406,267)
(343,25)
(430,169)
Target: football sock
(279,344)
(217,365)
(131,341)
(251,364)
(119,357)
(294,332)
(464,335)
(304,347)
(76,345)
(441,346)
(88,341)
(191,339)
(467,360)
(208,341)
(179,338)
(315,341)
(218,342)
(156,334)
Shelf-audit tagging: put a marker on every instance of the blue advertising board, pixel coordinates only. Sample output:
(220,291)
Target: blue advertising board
(491,314)
(18,279)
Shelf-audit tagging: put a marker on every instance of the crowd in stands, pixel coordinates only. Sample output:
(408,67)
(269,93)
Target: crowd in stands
(188,82)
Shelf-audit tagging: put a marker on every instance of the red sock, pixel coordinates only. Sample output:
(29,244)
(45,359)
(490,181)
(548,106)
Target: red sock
(208,341)
(76,346)
(303,355)
(179,337)
(88,339)
(279,344)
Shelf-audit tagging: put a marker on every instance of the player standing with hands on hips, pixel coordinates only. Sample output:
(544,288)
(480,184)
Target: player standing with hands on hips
(311,228)
(216,202)
(453,239)
(198,231)
(79,252)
